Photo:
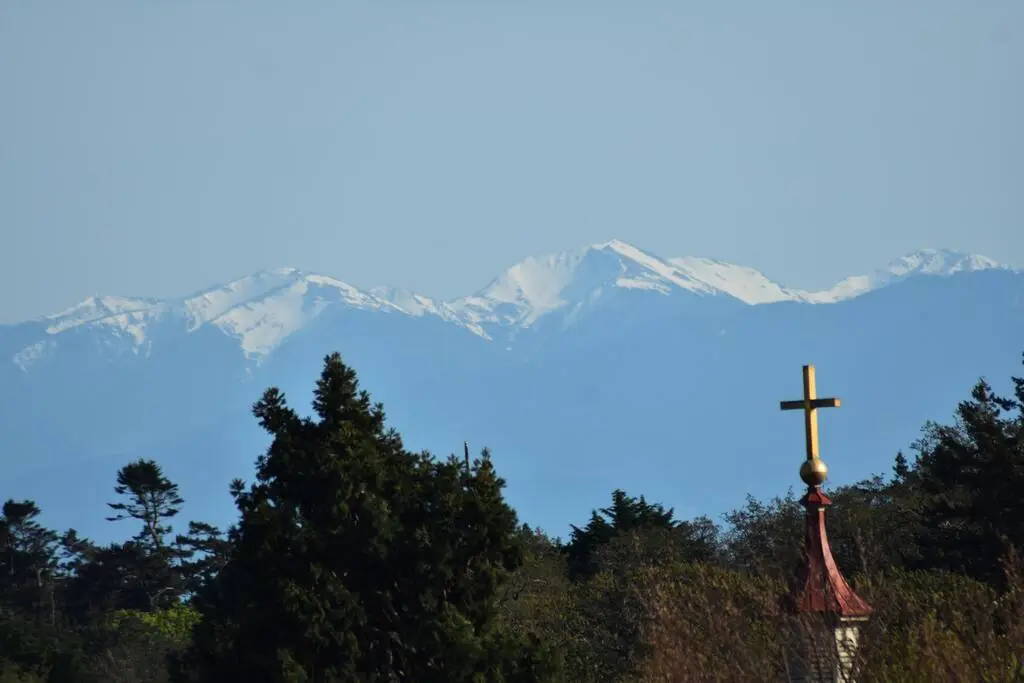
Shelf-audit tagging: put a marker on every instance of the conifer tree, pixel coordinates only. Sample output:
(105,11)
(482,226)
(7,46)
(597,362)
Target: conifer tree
(663,536)
(149,497)
(202,553)
(969,479)
(355,560)
(28,559)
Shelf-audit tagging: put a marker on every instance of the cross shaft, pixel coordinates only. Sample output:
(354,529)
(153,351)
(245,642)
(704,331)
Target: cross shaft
(810,404)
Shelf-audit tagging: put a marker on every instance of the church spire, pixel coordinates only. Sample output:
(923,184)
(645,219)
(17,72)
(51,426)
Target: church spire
(818,587)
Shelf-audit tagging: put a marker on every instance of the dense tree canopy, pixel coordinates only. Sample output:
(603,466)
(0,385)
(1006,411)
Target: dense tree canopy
(969,478)
(357,560)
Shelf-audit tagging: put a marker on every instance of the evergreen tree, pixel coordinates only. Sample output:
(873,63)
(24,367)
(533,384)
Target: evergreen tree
(148,562)
(29,559)
(114,577)
(149,497)
(969,481)
(202,553)
(34,645)
(648,526)
(355,560)
(900,468)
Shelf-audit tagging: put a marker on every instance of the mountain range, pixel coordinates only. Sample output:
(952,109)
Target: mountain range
(583,371)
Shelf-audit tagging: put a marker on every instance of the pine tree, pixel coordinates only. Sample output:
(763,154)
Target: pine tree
(355,560)
(152,499)
(969,483)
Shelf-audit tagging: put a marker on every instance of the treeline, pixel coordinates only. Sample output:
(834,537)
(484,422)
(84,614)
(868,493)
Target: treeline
(355,559)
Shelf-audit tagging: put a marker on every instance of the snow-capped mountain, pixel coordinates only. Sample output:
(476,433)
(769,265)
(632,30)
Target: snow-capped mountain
(260,311)
(584,371)
(263,321)
(746,284)
(570,282)
(265,309)
(935,262)
(753,287)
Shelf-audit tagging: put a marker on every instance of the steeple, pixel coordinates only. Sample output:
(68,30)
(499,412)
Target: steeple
(827,613)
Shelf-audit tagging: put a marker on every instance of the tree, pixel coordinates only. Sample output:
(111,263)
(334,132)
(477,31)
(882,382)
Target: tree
(203,552)
(113,577)
(355,560)
(765,539)
(150,498)
(869,526)
(29,558)
(604,558)
(34,643)
(969,482)
(645,529)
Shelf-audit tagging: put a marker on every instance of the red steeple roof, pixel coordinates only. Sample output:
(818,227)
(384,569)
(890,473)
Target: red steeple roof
(819,586)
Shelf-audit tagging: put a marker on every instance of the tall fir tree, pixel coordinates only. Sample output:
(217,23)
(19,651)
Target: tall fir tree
(355,560)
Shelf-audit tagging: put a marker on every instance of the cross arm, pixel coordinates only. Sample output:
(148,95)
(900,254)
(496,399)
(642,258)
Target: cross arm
(815,403)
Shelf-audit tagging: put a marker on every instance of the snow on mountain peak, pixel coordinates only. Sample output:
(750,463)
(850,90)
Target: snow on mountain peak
(937,262)
(746,284)
(210,304)
(538,285)
(263,309)
(753,287)
(411,302)
(95,308)
(260,311)
(273,308)
(933,262)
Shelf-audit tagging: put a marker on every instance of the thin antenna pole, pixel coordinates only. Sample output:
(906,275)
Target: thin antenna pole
(465,450)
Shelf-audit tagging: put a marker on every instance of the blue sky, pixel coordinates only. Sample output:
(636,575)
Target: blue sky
(153,148)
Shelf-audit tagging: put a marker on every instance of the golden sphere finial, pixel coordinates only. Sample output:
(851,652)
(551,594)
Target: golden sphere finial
(813,472)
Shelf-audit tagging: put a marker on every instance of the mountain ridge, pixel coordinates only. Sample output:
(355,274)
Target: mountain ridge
(265,308)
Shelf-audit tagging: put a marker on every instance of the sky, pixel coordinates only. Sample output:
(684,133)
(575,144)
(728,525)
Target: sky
(156,148)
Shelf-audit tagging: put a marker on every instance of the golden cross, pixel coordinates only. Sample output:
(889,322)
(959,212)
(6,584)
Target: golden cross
(810,404)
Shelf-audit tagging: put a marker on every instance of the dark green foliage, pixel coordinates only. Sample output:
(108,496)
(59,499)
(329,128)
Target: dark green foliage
(357,560)
(147,565)
(202,553)
(868,526)
(765,539)
(148,497)
(651,530)
(29,558)
(968,478)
